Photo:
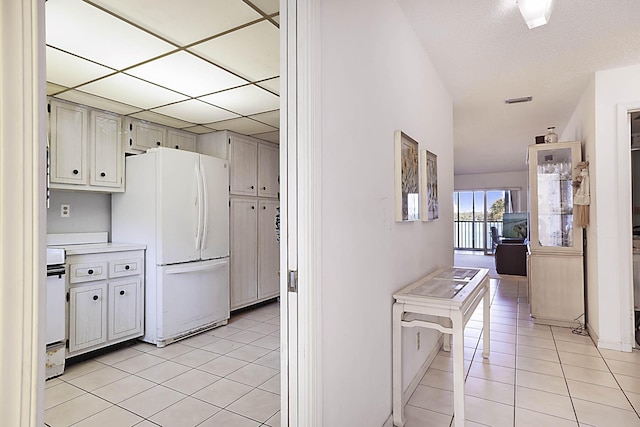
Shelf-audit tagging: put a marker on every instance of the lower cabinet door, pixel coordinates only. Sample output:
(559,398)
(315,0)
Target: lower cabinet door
(87,316)
(125,308)
(268,250)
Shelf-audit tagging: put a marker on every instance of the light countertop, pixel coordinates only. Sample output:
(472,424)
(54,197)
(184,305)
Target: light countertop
(94,248)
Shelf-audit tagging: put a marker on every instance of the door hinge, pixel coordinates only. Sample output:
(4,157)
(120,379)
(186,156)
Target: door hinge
(293,281)
(67,296)
(48,108)
(66,343)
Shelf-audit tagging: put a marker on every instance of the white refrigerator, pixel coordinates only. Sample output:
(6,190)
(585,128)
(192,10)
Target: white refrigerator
(177,203)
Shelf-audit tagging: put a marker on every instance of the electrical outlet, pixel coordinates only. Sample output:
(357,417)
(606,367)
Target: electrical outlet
(418,341)
(65,211)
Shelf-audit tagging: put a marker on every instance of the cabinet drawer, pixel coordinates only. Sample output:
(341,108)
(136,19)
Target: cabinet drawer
(87,272)
(125,267)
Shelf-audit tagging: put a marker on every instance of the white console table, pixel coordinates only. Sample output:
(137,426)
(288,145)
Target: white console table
(444,300)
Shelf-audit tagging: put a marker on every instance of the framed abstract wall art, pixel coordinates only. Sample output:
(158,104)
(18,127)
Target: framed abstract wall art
(429,186)
(407,180)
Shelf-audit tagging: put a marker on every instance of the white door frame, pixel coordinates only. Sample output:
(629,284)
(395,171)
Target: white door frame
(23,120)
(300,251)
(625,240)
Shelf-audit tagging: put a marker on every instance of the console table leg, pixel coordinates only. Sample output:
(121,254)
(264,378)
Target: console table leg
(458,369)
(398,409)
(486,322)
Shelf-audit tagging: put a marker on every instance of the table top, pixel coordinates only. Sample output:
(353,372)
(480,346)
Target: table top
(448,285)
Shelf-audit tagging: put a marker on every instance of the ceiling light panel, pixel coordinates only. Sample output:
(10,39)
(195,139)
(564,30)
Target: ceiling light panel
(97,102)
(252,52)
(132,91)
(195,111)
(76,26)
(267,6)
(183,25)
(161,119)
(199,129)
(272,84)
(244,100)
(270,117)
(186,73)
(70,71)
(242,125)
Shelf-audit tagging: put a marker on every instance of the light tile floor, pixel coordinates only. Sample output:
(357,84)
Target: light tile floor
(226,377)
(535,376)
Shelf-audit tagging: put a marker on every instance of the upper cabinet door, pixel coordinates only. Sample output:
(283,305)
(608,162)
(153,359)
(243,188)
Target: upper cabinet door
(106,149)
(68,144)
(268,170)
(181,140)
(244,158)
(143,135)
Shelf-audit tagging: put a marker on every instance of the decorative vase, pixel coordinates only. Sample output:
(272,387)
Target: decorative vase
(551,136)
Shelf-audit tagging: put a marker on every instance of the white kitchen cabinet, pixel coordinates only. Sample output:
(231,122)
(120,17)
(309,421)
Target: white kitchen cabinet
(555,261)
(87,316)
(68,144)
(105,299)
(243,246)
(244,166)
(181,140)
(255,252)
(268,250)
(141,135)
(268,170)
(85,149)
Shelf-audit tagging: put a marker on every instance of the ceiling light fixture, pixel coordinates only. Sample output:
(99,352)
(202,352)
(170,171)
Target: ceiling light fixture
(518,100)
(535,12)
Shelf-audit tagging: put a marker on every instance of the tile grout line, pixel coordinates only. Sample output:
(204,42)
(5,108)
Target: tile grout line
(616,379)
(564,376)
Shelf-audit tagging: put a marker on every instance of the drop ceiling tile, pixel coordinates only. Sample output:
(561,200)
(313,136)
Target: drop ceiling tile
(277,19)
(252,52)
(132,91)
(267,6)
(183,25)
(161,119)
(199,129)
(53,88)
(244,100)
(78,27)
(242,125)
(195,111)
(272,84)
(97,102)
(269,136)
(270,117)
(69,70)
(188,74)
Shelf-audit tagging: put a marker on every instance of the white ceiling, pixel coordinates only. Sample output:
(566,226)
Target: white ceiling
(201,65)
(485,53)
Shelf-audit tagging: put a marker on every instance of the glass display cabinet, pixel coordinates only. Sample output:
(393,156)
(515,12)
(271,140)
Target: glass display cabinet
(555,260)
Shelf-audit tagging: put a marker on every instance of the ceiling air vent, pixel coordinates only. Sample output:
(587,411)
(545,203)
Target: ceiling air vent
(518,100)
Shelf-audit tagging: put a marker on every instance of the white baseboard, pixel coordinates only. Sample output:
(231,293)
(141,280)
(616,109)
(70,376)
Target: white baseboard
(416,380)
(609,345)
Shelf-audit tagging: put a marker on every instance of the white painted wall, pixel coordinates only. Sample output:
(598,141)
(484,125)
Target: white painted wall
(496,181)
(375,79)
(90,212)
(582,127)
(609,234)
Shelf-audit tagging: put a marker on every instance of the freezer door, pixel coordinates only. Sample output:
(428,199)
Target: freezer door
(215,232)
(191,296)
(179,206)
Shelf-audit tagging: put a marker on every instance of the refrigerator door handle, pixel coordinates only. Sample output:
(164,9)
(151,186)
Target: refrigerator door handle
(179,269)
(205,202)
(199,206)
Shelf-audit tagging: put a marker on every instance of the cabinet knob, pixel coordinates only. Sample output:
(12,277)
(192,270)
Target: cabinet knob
(177,147)
(264,188)
(130,141)
(122,292)
(126,267)
(158,143)
(252,187)
(102,174)
(95,297)
(76,172)
(253,207)
(264,207)
(90,271)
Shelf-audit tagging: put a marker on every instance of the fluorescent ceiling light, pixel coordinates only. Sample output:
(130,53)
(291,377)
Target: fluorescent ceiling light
(535,12)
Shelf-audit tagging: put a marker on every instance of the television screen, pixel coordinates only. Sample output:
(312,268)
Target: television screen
(514,225)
